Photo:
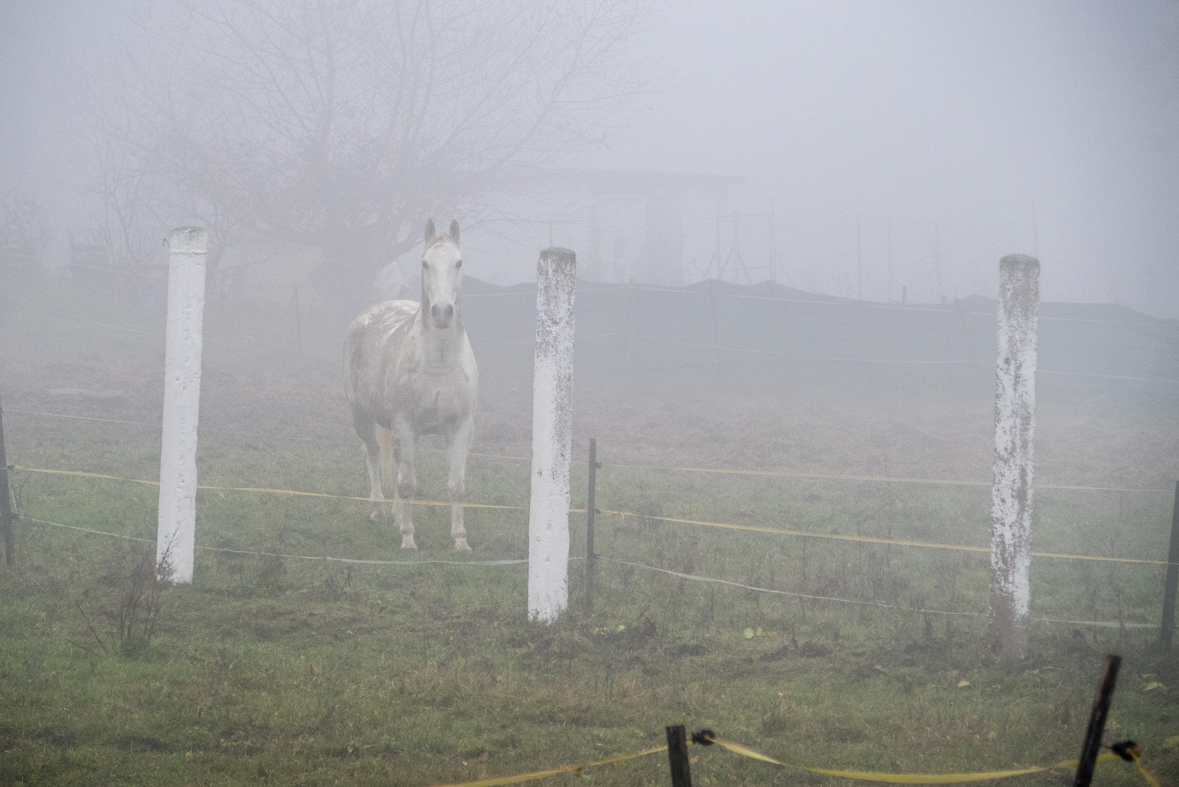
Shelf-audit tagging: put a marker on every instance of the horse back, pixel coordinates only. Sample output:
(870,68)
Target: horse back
(374,340)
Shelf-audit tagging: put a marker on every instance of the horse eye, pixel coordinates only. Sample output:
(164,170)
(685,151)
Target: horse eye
(425,264)
(458,264)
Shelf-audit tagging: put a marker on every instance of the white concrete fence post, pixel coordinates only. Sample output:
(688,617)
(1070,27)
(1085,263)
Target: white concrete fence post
(176,533)
(552,436)
(1015,421)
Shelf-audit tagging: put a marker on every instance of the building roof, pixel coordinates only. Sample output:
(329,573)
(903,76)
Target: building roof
(621,182)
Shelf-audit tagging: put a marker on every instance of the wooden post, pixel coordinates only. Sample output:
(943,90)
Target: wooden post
(1011,495)
(1169,585)
(677,755)
(5,501)
(1092,745)
(176,532)
(591,559)
(552,436)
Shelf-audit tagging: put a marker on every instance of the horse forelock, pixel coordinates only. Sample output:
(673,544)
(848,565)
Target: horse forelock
(441,237)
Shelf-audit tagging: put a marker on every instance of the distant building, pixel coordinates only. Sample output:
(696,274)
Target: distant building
(649,227)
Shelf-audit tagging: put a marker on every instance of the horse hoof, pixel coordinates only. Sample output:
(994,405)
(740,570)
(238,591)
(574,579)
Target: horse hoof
(461,544)
(407,543)
(377,516)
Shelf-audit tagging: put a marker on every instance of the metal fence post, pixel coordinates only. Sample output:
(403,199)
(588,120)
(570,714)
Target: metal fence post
(677,755)
(1101,703)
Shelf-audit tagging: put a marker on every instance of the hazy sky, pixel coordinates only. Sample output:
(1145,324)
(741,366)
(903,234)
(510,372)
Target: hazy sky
(1049,128)
(1039,127)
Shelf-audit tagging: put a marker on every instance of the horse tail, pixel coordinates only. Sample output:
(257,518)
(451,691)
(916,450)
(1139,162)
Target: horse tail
(385,441)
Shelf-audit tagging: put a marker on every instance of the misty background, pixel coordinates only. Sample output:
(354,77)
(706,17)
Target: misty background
(950,134)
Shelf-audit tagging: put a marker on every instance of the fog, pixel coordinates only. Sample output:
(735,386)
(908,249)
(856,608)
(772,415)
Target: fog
(1046,127)
(767,407)
(953,133)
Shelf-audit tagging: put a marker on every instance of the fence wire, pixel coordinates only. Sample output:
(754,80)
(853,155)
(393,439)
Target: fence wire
(574,559)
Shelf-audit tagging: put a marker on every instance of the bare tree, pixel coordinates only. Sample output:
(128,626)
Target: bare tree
(343,124)
(129,184)
(25,232)
(123,210)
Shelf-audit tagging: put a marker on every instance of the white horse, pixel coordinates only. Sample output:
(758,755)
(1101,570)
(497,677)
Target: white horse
(410,371)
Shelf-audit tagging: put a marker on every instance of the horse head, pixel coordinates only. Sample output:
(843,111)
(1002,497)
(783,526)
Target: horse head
(442,276)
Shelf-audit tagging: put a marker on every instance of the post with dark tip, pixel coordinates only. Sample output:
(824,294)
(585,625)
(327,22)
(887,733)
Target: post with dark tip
(1092,745)
(5,506)
(677,755)
(1172,580)
(591,559)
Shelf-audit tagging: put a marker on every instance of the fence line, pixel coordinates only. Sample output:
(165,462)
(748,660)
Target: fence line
(803,475)
(238,432)
(754,588)
(324,558)
(78,417)
(259,490)
(522,561)
(621,514)
(873,478)
(870,539)
(1127,751)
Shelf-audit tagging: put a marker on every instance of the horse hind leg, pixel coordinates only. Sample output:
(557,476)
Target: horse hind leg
(372,461)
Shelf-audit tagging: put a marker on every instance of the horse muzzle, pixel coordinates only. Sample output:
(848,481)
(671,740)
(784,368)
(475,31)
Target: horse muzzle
(442,314)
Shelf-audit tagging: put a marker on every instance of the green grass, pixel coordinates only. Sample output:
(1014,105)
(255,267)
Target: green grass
(301,671)
(283,670)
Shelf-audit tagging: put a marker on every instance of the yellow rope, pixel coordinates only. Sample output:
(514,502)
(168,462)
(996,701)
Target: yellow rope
(870,539)
(260,490)
(622,514)
(907,778)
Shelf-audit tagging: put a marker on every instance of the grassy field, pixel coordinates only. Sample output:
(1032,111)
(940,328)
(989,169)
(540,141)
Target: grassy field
(287,670)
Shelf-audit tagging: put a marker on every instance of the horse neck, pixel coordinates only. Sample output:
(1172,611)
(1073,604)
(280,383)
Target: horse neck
(440,347)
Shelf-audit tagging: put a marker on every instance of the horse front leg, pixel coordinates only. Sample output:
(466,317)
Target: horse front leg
(460,445)
(406,488)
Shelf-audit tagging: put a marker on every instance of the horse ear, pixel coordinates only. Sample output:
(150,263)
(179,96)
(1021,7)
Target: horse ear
(429,231)
(454,230)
